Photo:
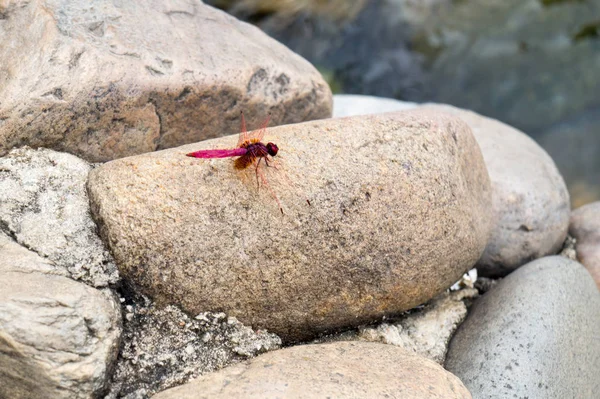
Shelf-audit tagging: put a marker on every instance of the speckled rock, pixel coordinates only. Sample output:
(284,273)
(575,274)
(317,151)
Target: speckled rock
(399,211)
(58,337)
(44,206)
(339,370)
(165,347)
(530,199)
(535,334)
(123,78)
(585,228)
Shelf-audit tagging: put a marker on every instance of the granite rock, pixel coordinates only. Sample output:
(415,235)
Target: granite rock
(123,78)
(44,207)
(530,201)
(164,347)
(531,205)
(399,211)
(353,104)
(425,330)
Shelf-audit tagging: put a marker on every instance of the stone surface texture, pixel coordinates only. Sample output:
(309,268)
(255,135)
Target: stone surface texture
(163,348)
(348,370)
(585,228)
(198,233)
(427,331)
(127,77)
(535,334)
(44,206)
(58,338)
(530,199)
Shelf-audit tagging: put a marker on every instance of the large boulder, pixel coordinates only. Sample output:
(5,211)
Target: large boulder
(109,79)
(585,228)
(335,370)
(530,201)
(58,338)
(398,212)
(535,334)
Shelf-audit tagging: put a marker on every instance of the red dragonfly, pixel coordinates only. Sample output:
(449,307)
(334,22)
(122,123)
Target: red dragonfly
(251,151)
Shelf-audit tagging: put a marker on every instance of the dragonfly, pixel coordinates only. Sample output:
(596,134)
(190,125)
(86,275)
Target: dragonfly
(250,150)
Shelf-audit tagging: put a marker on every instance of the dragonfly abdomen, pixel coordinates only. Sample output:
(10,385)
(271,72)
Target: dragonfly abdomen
(236,152)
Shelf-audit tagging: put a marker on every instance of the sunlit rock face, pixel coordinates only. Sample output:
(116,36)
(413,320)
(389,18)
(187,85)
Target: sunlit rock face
(399,210)
(109,79)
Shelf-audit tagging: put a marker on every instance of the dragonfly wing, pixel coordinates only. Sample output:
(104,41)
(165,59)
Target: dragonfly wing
(257,135)
(243,132)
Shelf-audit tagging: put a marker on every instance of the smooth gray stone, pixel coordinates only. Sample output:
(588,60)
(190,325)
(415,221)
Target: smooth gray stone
(535,335)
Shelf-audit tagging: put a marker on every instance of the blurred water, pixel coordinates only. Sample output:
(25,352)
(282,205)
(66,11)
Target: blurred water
(534,64)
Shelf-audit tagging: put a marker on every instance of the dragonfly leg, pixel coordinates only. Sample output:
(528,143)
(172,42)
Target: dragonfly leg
(257,173)
(266,184)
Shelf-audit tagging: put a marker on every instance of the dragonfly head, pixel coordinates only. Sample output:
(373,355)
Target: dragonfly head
(272,149)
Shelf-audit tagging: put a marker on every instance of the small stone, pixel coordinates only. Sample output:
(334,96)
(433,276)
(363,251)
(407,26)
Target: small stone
(202,317)
(568,250)
(333,370)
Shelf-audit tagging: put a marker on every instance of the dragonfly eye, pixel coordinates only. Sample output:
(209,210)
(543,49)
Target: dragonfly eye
(272,149)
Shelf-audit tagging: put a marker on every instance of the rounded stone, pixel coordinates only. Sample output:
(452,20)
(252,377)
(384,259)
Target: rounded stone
(59,338)
(398,212)
(530,201)
(127,77)
(585,228)
(334,370)
(535,334)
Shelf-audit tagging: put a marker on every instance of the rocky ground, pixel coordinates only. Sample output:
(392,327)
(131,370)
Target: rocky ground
(159,275)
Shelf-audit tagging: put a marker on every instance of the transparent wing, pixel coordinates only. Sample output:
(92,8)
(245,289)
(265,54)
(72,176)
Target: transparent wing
(257,135)
(244,137)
